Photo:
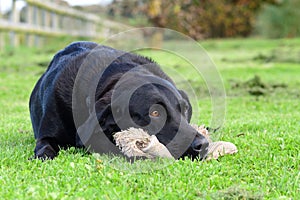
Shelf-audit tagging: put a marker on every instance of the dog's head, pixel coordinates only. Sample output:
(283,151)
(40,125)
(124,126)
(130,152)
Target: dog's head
(157,106)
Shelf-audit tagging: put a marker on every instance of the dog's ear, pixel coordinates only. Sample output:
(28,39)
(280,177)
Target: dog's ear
(189,110)
(103,105)
(106,120)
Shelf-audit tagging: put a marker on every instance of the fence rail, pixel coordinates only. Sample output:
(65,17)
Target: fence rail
(45,18)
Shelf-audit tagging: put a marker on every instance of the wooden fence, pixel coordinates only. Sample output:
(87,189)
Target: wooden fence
(44,18)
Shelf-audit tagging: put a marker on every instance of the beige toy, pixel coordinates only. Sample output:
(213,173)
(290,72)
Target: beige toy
(137,142)
(216,149)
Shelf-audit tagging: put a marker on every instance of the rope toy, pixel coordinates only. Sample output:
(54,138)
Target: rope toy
(137,142)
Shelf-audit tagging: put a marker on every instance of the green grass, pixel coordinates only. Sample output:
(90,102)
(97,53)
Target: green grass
(265,129)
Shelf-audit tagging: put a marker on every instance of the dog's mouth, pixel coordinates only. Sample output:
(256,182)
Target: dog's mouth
(198,149)
(202,152)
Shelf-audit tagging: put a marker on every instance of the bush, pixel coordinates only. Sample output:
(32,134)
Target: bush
(198,19)
(206,18)
(281,20)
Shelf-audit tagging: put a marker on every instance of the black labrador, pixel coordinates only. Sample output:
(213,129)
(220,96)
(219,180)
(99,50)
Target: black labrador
(87,82)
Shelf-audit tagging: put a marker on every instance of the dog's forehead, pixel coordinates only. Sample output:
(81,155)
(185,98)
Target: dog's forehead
(161,83)
(153,92)
(140,88)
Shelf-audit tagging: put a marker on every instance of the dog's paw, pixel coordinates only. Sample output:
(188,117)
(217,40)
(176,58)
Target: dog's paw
(220,148)
(45,153)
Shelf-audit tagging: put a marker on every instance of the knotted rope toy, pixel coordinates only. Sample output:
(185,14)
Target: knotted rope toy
(137,142)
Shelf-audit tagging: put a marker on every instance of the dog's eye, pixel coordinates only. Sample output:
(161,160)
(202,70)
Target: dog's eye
(154,113)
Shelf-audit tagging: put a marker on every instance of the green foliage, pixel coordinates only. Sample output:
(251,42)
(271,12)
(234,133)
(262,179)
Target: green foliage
(265,130)
(198,19)
(282,20)
(217,18)
(128,11)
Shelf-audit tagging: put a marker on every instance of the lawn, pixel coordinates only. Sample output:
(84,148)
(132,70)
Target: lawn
(262,81)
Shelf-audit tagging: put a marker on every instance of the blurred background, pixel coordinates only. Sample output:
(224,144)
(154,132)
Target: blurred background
(37,22)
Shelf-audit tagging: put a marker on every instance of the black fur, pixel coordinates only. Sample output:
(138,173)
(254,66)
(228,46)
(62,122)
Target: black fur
(51,101)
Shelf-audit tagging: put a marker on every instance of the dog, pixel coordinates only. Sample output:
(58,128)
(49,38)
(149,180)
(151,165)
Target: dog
(87,85)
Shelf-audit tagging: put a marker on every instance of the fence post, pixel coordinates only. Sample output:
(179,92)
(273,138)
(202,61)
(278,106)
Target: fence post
(14,18)
(29,20)
(36,22)
(47,23)
(47,18)
(54,19)
(2,41)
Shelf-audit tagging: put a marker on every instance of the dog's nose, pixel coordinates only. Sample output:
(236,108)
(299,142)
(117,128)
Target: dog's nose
(200,144)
